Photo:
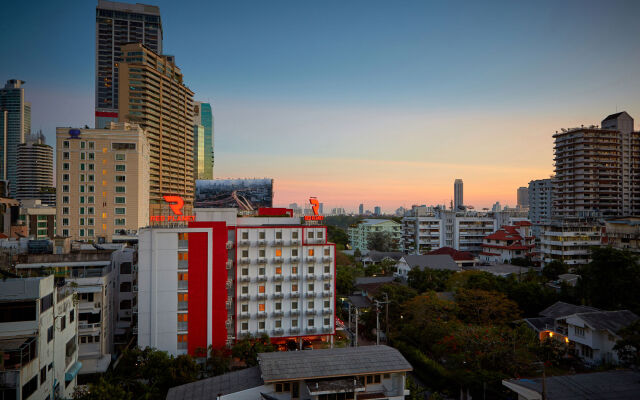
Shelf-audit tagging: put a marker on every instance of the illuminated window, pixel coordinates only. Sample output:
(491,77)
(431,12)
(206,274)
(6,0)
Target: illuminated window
(183,256)
(182,338)
(183,236)
(183,296)
(104,149)
(104,161)
(261,289)
(104,172)
(294,270)
(278,270)
(183,317)
(104,183)
(261,307)
(278,252)
(104,227)
(294,287)
(183,277)
(104,215)
(311,252)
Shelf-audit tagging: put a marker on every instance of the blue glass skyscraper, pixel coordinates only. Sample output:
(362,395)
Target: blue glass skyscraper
(203,143)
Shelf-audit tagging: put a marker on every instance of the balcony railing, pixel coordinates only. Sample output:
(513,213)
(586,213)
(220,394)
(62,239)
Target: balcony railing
(83,325)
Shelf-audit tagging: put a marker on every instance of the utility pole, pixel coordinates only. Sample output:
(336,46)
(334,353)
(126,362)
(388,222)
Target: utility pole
(377,323)
(357,326)
(386,316)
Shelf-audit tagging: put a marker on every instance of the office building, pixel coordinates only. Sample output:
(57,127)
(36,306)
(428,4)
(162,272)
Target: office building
(40,219)
(38,339)
(361,209)
(377,211)
(93,274)
(368,372)
(35,172)
(360,233)
(596,170)
(523,197)
(103,182)
(146,77)
(222,277)
(116,25)
(458,199)
(540,204)
(15,124)
(203,140)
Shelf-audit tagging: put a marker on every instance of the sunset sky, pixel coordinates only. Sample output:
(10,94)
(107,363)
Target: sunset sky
(381,102)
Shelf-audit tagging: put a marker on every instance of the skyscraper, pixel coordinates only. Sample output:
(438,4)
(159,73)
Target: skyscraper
(523,197)
(15,123)
(203,131)
(146,77)
(35,172)
(458,201)
(117,24)
(377,210)
(596,170)
(361,209)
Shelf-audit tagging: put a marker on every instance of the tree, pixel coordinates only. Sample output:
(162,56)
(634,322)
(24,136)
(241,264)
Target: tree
(345,278)
(357,254)
(551,271)
(247,349)
(611,280)
(104,389)
(218,361)
(337,235)
(628,348)
(521,261)
(426,279)
(485,308)
(380,241)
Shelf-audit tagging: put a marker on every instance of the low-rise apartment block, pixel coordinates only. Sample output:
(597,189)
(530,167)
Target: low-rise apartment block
(38,339)
(569,242)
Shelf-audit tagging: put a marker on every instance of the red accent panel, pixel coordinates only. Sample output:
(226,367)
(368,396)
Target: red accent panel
(277,212)
(106,114)
(198,300)
(197,322)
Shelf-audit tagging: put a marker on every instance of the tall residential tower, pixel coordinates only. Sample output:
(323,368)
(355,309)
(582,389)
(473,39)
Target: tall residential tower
(117,24)
(458,201)
(35,175)
(15,123)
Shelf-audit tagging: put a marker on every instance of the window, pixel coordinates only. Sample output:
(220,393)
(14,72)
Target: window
(245,235)
(327,304)
(261,289)
(261,325)
(92,156)
(245,271)
(261,235)
(319,234)
(579,331)
(90,199)
(65,188)
(65,210)
(278,288)
(261,253)
(123,146)
(278,323)
(311,322)
(311,253)
(120,221)
(294,270)
(83,145)
(311,270)
(91,188)
(278,270)
(120,168)
(72,316)
(261,271)
(90,220)
(327,269)
(120,156)
(92,145)
(294,287)
(50,334)
(245,326)
(183,236)
(310,305)
(310,287)
(120,189)
(46,303)
(245,290)
(81,188)
(278,235)
(120,211)
(90,212)
(310,234)
(327,322)
(65,166)
(120,178)
(294,252)
(65,144)
(17,311)
(245,253)
(278,306)
(294,305)
(245,308)
(278,252)
(65,199)
(327,286)
(65,177)
(261,307)
(30,387)
(294,235)
(63,322)
(43,375)
(92,167)
(282,387)
(327,251)
(294,323)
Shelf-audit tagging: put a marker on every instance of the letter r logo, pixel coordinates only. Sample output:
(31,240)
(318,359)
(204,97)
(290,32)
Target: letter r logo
(314,205)
(176,203)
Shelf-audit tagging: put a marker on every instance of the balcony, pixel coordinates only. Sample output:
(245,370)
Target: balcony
(278,278)
(295,259)
(327,275)
(309,295)
(229,264)
(327,311)
(311,260)
(277,313)
(277,260)
(277,295)
(183,326)
(294,312)
(183,285)
(244,315)
(244,242)
(262,242)
(310,312)
(278,331)
(327,293)
(183,306)
(86,326)
(295,242)
(229,245)
(294,329)
(261,314)
(294,294)
(244,278)
(244,260)
(183,244)
(17,353)
(311,329)
(244,296)
(183,264)
(327,259)
(310,277)
(262,260)
(277,242)
(261,296)
(262,278)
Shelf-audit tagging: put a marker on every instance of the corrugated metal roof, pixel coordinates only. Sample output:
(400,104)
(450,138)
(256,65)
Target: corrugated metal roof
(223,384)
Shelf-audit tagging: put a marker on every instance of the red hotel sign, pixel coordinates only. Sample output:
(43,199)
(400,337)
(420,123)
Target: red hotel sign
(314,206)
(175,203)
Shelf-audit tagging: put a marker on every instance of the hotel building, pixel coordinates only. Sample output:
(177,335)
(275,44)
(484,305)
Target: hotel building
(223,277)
(103,181)
(117,24)
(154,96)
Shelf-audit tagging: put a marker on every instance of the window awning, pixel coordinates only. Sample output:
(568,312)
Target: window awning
(73,371)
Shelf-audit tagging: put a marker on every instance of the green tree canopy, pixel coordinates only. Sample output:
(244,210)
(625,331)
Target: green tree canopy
(380,241)
(553,269)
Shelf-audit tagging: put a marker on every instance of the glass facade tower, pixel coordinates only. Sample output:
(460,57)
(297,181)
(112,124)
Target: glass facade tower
(203,116)
(15,124)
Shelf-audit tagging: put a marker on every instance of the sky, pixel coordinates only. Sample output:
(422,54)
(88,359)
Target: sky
(376,102)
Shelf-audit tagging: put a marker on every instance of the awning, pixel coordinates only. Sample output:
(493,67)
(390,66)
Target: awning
(73,371)
(88,289)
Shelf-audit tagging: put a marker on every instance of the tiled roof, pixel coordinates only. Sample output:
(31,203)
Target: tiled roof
(561,309)
(457,255)
(310,364)
(219,385)
(431,261)
(612,321)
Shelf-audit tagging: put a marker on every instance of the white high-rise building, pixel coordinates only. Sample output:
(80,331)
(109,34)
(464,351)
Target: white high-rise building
(540,192)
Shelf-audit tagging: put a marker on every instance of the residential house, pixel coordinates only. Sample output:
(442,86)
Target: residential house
(463,258)
(437,261)
(368,372)
(507,243)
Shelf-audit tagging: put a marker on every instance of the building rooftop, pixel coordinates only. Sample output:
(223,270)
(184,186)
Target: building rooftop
(457,255)
(377,256)
(360,301)
(218,385)
(432,261)
(561,309)
(612,321)
(611,385)
(327,363)
(502,269)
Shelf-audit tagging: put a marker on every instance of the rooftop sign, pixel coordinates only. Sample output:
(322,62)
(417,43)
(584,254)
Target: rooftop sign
(314,206)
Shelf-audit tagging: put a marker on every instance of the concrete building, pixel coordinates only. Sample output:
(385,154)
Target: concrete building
(523,197)
(35,172)
(223,277)
(425,230)
(203,140)
(40,219)
(116,25)
(15,124)
(458,198)
(360,233)
(93,275)
(595,170)
(38,339)
(377,211)
(568,242)
(623,233)
(103,182)
(144,77)
(361,209)
(369,372)
(540,204)
(507,243)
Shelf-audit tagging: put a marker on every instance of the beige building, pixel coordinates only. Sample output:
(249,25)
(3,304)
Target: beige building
(153,95)
(103,182)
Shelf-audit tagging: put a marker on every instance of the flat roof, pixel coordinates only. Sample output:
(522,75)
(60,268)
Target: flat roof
(327,363)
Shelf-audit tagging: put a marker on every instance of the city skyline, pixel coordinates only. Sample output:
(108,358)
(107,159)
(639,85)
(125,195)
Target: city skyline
(475,93)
